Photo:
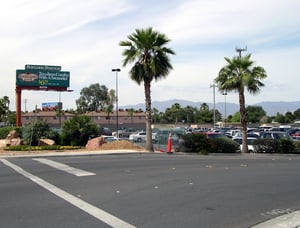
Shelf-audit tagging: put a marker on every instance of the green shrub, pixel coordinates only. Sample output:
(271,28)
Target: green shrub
(4,131)
(78,130)
(224,145)
(34,131)
(198,143)
(283,145)
(40,148)
(297,146)
(286,146)
(195,143)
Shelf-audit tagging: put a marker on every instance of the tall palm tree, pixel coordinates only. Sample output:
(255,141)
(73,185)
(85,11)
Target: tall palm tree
(145,48)
(175,109)
(155,113)
(130,113)
(239,75)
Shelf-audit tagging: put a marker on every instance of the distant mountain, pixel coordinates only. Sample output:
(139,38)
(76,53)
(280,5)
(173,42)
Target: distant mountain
(271,107)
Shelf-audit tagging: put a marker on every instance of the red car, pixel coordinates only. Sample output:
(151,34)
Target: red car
(296,134)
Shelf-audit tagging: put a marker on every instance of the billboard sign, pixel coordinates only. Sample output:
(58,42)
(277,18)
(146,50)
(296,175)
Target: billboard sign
(43,68)
(51,106)
(42,78)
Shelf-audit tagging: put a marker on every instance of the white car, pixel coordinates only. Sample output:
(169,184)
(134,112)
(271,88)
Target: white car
(249,143)
(138,136)
(109,138)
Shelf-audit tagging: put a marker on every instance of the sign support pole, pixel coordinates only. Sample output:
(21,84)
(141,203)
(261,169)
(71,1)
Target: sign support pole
(18,106)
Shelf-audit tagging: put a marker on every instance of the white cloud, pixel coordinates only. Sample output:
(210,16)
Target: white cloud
(83,37)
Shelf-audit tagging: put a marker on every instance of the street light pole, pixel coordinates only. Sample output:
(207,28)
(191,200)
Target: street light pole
(117,108)
(225,116)
(214,91)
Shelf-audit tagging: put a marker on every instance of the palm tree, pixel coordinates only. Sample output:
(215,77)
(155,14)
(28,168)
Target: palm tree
(130,113)
(189,111)
(146,49)
(175,109)
(108,109)
(239,75)
(155,113)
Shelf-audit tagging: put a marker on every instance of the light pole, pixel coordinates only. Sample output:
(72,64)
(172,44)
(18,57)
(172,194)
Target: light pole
(214,91)
(225,94)
(117,108)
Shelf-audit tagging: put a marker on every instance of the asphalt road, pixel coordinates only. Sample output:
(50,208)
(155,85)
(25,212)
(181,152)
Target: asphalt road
(147,190)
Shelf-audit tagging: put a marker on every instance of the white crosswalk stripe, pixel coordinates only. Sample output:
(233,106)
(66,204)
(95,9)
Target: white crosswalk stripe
(98,213)
(64,167)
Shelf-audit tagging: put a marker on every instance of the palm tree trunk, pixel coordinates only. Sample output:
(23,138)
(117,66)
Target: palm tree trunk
(243,121)
(149,144)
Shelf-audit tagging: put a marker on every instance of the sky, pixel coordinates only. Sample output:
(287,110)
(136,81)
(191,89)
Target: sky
(83,38)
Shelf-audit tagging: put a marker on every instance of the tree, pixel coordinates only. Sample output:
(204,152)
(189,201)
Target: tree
(204,115)
(130,113)
(78,130)
(155,116)
(109,106)
(4,108)
(240,74)
(146,49)
(189,113)
(254,114)
(236,117)
(175,110)
(297,114)
(92,98)
(289,117)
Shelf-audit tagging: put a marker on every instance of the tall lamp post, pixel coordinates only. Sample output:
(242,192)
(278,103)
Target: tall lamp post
(225,116)
(214,91)
(117,108)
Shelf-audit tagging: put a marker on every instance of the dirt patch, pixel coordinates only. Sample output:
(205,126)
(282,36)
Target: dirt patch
(120,145)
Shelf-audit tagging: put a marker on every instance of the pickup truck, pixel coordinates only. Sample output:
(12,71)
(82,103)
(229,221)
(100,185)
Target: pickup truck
(124,133)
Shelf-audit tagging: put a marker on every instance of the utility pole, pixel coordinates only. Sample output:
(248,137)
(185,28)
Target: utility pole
(240,50)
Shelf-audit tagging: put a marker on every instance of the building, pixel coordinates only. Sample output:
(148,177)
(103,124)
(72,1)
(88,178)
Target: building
(126,119)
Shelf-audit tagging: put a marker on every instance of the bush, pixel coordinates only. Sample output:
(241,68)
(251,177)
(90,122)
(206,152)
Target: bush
(224,145)
(78,130)
(34,131)
(4,131)
(195,143)
(297,146)
(286,146)
(198,143)
(40,148)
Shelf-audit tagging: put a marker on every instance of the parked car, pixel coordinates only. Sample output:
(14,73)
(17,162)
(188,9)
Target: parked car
(210,134)
(274,135)
(138,136)
(125,133)
(250,141)
(109,138)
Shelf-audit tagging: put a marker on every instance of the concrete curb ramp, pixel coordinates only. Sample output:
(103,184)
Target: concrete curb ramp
(291,220)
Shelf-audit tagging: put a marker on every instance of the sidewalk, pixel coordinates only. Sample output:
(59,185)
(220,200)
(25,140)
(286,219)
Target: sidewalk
(10,154)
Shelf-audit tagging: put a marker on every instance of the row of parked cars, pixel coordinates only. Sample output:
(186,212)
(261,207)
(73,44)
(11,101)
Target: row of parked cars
(161,135)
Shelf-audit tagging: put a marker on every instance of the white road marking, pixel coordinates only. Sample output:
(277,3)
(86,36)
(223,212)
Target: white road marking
(64,167)
(101,215)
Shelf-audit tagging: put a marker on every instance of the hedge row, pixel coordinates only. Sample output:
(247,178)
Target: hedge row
(198,143)
(37,148)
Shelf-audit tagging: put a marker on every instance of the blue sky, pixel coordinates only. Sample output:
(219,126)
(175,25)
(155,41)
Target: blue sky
(83,36)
